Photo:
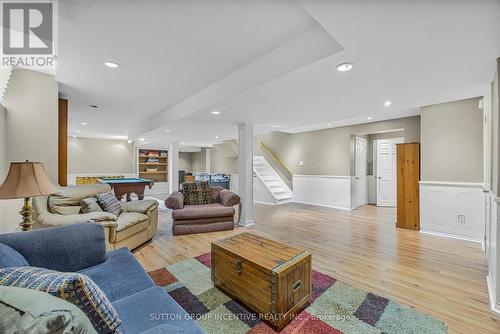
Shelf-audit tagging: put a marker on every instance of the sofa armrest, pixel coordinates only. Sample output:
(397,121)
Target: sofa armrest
(67,248)
(175,200)
(228,198)
(139,206)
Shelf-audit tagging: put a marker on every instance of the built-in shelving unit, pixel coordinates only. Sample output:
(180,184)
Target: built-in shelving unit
(153,164)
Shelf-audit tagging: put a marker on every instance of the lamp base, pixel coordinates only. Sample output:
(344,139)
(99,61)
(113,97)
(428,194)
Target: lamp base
(27,214)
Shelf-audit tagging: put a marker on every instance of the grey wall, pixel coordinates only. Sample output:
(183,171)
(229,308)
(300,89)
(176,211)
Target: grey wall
(328,151)
(221,164)
(31,124)
(495,159)
(89,156)
(185,161)
(452,142)
(199,161)
(3,144)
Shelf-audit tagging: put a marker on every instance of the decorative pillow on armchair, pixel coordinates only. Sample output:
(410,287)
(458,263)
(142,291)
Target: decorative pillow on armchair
(75,288)
(204,196)
(109,203)
(190,191)
(90,205)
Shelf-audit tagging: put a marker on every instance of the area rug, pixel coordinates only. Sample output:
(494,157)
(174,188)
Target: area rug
(335,306)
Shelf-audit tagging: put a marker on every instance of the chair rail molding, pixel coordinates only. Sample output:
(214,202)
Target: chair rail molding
(453,209)
(333,191)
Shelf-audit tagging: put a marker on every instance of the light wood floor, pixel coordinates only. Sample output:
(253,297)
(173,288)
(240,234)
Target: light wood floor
(442,277)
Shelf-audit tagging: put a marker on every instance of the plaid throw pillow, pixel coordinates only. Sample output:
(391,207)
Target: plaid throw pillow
(109,203)
(75,288)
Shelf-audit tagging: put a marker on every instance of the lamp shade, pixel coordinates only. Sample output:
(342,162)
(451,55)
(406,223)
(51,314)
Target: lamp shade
(26,179)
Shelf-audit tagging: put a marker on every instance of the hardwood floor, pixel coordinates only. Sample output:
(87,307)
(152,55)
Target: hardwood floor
(442,277)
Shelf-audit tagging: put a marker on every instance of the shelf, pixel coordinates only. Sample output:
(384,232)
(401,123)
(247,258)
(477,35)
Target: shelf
(153,163)
(152,156)
(157,172)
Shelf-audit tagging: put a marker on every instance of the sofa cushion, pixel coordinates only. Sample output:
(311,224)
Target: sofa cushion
(203,211)
(129,223)
(153,307)
(90,204)
(30,311)
(67,201)
(203,221)
(109,202)
(9,257)
(120,275)
(76,288)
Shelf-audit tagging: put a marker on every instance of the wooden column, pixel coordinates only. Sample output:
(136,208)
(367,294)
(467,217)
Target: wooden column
(62,153)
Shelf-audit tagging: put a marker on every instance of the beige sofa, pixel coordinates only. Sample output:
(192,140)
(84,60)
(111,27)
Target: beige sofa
(135,226)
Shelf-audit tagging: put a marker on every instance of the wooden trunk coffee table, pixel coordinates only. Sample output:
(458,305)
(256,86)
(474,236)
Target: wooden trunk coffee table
(270,278)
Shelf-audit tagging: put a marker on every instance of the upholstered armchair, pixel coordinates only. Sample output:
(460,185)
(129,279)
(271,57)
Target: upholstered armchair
(135,226)
(219,215)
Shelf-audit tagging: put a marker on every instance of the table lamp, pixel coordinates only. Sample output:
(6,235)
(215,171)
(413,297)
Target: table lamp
(25,180)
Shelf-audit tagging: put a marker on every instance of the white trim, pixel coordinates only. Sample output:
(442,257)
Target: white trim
(325,206)
(327,176)
(453,184)
(452,236)
(491,294)
(247,223)
(265,203)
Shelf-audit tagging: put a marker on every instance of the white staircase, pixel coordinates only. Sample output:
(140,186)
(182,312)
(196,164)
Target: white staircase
(278,190)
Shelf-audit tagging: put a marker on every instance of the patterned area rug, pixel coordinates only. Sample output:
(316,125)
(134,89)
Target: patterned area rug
(335,306)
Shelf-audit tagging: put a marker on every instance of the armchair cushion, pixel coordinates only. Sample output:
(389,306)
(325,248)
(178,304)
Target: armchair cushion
(175,200)
(90,204)
(109,202)
(50,219)
(190,191)
(228,198)
(204,193)
(9,257)
(203,211)
(139,206)
(67,248)
(76,288)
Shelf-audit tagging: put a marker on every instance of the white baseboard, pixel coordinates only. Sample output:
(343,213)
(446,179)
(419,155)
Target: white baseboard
(265,203)
(325,206)
(491,294)
(452,236)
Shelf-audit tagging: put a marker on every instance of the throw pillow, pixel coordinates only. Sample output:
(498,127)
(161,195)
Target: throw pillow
(204,193)
(9,257)
(76,288)
(90,205)
(109,203)
(190,190)
(30,311)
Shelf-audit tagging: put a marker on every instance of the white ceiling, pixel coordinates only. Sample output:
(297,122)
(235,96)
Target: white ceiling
(266,62)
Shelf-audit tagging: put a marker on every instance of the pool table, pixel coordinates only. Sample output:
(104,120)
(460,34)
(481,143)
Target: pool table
(128,185)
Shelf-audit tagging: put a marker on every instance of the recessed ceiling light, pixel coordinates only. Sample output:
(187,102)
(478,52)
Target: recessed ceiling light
(111,64)
(167,130)
(129,141)
(84,123)
(329,124)
(74,136)
(142,139)
(77,131)
(274,126)
(216,137)
(216,112)
(387,103)
(183,143)
(344,67)
(369,118)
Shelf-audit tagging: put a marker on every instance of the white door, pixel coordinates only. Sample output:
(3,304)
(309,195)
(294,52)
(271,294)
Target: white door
(360,171)
(386,171)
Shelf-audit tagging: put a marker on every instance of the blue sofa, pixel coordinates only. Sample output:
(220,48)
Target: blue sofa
(142,306)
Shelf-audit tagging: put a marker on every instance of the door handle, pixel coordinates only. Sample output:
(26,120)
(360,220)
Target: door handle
(357,177)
